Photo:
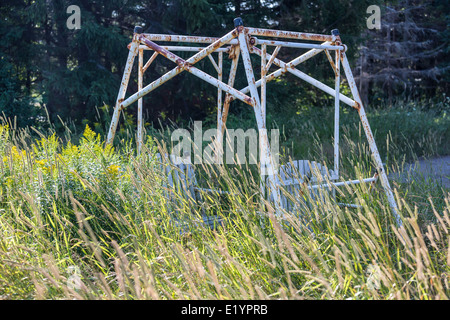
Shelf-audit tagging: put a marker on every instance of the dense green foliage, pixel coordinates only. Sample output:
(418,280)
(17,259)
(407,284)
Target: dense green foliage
(73,74)
(408,56)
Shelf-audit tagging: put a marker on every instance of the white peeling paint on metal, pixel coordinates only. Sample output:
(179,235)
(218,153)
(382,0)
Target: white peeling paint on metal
(336,113)
(231,78)
(265,156)
(123,89)
(289,68)
(219,137)
(140,124)
(370,139)
(150,61)
(192,60)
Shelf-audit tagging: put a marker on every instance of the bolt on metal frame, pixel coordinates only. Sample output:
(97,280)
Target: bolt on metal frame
(243,41)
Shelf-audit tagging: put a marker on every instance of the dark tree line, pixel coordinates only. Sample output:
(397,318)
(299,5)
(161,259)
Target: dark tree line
(75,73)
(409,56)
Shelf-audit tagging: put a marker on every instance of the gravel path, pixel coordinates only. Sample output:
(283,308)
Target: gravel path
(437,168)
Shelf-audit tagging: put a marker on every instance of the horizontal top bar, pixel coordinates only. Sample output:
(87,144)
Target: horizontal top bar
(182,48)
(290,34)
(182,38)
(259,41)
(298,45)
(251,31)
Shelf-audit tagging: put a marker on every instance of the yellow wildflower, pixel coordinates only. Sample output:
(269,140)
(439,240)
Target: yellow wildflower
(113,170)
(89,134)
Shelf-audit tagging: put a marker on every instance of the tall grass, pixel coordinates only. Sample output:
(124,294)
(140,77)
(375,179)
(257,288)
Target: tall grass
(414,129)
(109,215)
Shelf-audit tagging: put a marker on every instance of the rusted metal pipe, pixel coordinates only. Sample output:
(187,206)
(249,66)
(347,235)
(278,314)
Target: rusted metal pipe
(289,34)
(231,78)
(291,182)
(272,57)
(123,86)
(219,136)
(182,38)
(370,138)
(213,62)
(265,154)
(140,130)
(185,48)
(197,57)
(264,69)
(245,44)
(164,52)
(152,86)
(184,65)
(341,183)
(249,73)
(263,100)
(330,59)
(279,72)
(226,39)
(215,82)
(336,112)
(289,68)
(200,55)
(298,45)
(150,61)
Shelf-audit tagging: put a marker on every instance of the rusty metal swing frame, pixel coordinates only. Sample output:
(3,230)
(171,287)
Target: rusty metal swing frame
(243,41)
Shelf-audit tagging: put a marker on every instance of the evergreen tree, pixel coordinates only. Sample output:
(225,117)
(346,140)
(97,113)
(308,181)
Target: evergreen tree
(71,72)
(408,56)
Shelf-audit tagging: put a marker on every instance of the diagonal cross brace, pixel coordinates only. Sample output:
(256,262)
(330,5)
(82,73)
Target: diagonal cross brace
(183,65)
(289,67)
(137,38)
